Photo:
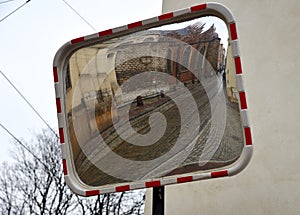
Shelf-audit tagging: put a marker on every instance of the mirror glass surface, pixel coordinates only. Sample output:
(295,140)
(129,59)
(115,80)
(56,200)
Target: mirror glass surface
(154,103)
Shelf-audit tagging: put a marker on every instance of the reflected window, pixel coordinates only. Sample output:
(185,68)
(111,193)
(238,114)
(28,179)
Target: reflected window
(169,62)
(186,57)
(68,78)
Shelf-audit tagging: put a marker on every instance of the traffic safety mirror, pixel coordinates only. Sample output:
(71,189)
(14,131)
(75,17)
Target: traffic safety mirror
(156,102)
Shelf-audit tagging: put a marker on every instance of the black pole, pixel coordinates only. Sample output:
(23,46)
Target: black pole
(158,203)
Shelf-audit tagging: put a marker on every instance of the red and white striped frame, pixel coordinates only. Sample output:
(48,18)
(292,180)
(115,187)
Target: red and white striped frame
(59,61)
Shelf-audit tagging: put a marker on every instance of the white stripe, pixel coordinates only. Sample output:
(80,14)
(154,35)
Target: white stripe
(74,187)
(244,118)
(222,10)
(235,48)
(201,176)
(239,83)
(60,118)
(118,29)
(137,186)
(150,21)
(63,151)
(92,36)
(168,181)
(181,12)
(108,190)
(57,90)
(242,161)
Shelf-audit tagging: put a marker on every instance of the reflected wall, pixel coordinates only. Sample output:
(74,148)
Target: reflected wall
(154,103)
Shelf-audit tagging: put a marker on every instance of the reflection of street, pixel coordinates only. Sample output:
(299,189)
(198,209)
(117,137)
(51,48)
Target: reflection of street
(187,132)
(229,149)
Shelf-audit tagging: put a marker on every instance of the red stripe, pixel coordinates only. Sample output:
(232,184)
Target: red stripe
(106,32)
(64,162)
(135,24)
(153,184)
(218,174)
(248,136)
(55,75)
(238,65)
(233,31)
(198,7)
(243,100)
(185,179)
(61,135)
(166,16)
(122,188)
(58,105)
(92,193)
(77,40)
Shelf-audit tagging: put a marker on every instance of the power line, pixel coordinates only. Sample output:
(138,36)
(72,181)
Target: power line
(15,10)
(79,15)
(30,105)
(27,149)
(2,2)
(22,144)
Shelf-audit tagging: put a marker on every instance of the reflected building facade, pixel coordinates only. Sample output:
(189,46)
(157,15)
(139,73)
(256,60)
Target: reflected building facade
(231,88)
(95,75)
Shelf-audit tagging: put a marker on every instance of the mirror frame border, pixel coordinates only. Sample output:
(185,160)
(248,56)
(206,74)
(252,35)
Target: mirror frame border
(59,67)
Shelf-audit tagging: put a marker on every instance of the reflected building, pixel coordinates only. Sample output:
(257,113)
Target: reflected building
(206,42)
(95,73)
(95,87)
(231,88)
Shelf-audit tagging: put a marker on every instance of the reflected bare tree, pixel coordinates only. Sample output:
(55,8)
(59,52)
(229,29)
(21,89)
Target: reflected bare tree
(35,185)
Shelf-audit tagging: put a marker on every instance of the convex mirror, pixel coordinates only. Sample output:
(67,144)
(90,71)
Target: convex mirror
(151,103)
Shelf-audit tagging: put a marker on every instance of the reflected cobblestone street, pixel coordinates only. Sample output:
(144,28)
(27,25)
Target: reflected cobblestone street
(228,151)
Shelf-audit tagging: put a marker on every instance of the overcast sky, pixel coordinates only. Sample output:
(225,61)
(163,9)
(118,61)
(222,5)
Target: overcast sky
(29,39)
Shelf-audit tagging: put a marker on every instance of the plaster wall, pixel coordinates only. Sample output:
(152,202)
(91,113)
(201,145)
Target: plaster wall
(270,52)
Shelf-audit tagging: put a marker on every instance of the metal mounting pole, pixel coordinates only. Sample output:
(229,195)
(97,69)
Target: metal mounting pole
(158,200)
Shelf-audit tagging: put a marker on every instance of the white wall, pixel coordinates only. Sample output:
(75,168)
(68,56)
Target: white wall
(270,52)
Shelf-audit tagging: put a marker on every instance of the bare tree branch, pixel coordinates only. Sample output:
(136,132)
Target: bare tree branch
(35,185)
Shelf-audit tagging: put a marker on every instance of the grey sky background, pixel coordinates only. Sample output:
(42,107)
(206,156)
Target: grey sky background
(29,39)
